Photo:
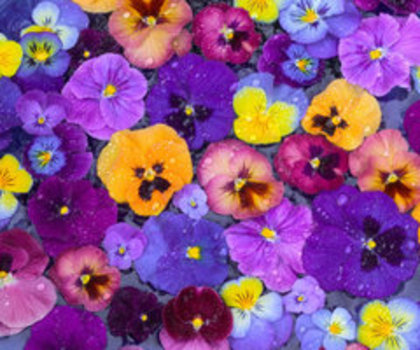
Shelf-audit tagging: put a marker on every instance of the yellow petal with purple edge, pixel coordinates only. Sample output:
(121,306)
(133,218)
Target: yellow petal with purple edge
(8,205)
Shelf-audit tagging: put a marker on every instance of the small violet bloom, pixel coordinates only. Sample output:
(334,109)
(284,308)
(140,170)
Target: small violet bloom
(305,297)
(107,95)
(192,200)
(40,112)
(325,329)
(289,62)
(319,24)
(124,244)
(60,17)
(225,33)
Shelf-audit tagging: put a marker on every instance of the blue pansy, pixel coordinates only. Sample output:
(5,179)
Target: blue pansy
(301,66)
(45,156)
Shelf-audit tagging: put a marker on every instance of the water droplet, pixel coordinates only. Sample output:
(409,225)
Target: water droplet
(208,161)
(342,199)
(40,286)
(126,14)
(149,61)
(256,82)
(348,250)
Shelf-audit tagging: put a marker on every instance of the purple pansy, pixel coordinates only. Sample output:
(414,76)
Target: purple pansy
(124,244)
(305,297)
(412,126)
(192,200)
(182,252)
(277,239)
(194,96)
(68,328)
(107,95)
(378,56)
(70,214)
(290,63)
(9,94)
(40,112)
(361,243)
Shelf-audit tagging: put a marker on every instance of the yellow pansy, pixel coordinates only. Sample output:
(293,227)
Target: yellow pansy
(261,10)
(258,123)
(10,57)
(242,295)
(13,178)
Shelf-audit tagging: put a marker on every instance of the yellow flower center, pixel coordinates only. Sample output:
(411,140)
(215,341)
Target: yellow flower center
(193,203)
(189,110)
(315,163)
(376,54)
(228,33)
(371,244)
(392,178)
(149,175)
(144,317)
(64,210)
(109,91)
(41,120)
(44,157)
(197,323)
(268,234)
(151,21)
(336,120)
(86,54)
(300,298)
(310,16)
(121,250)
(302,64)
(385,330)
(335,328)
(239,183)
(41,55)
(194,253)
(3,274)
(85,279)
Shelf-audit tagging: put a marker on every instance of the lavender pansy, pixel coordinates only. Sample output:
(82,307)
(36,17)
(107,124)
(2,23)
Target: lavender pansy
(192,200)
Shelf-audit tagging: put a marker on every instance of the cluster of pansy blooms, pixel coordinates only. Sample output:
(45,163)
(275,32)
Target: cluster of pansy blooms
(209,175)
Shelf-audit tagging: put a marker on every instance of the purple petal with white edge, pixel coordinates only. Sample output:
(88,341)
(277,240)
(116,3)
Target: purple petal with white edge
(46,12)
(68,35)
(346,23)
(325,48)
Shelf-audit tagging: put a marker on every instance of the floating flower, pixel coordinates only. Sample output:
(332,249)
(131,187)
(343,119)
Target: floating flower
(266,113)
(11,54)
(266,11)
(43,53)
(378,56)
(319,24)
(196,318)
(391,326)
(383,163)
(225,33)
(278,238)
(305,297)
(60,17)
(68,328)
(345,114)
(258,320)
(361,243)
(194,96)
(412,126)
(238,180)
(144,168)
(69,214)
(325,329)
(181,252)
(400,7)
(25,295)
(107,95)
(40,112)
(9,94)
(134,313)
(124,244)
(148,30)
(83,277)
(97,6)
(290,63)
(13,179)
(311,163)
(192,200)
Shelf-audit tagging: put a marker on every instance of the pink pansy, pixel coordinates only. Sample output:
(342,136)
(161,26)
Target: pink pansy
(25,295)
(198,343)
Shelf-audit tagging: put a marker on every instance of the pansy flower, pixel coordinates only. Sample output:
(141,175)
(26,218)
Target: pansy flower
(266,11)
(43,53)
(194,96)
(13,179)
(361,243)
(378,56)
(412,125)
(402,7)
(196,318)
(40,112)
(278,238)
(9,94)
(107,95)
(225,33)
(66,327)
(61,17)
(289,63)
(266,112)
(25,295)
(311,163)
(124,244)
(390,326)
(148,30)
(14,16)
(134,313)
(325,329)
(70,214)
(83,277)
(97,6)
(238,180)
(305,297)
(344,113)
(62,154)
(11,54)
(192,200)
(319,24)
(145,167)
(258,319)
(181,252)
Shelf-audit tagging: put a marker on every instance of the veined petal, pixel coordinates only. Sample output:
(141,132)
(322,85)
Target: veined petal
(243,293)
(322,318)
(269,307)
(68,35)
(46,14)
(8,205)
(405,313)
(241,323)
